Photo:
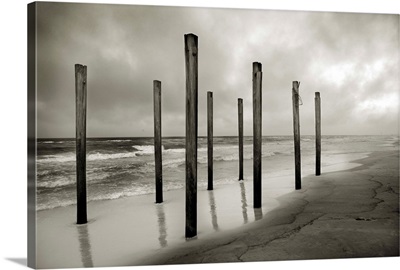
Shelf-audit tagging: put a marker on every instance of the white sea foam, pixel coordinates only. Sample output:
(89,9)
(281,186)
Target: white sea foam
(144,149)
(90,157)
(99,156)
(128,192)
(50,142)
(234,157)
(60,182)
(149,149)
(57,158)
(174,150)
(170,163)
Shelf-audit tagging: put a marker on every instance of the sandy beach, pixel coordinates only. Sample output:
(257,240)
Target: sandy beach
(350,211)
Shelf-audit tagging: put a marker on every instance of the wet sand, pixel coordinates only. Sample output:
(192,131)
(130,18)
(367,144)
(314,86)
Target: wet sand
(123,231)
(350,213)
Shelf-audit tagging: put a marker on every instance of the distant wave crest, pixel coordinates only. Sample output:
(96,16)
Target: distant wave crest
(90,157)
(149,149)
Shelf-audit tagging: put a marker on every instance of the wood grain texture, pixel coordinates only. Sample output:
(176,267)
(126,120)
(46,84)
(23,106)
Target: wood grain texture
(32,140)
(240,126)
(317,133)
(191,67)
(210,139)
(157,141)
(257,134)
(296,132)
(81,103)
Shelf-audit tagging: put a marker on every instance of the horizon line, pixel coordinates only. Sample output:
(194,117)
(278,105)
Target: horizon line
(205,136)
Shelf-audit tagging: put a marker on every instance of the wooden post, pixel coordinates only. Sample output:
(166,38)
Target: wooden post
(210,139)
(240,117)
(318,133)
(81,101)
(257,133)
(157,140)
(191,66)
(296,131)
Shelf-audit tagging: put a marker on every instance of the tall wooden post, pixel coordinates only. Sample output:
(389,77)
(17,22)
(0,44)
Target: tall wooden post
(191,66)
(81,101)
(157,140)
(296,131)
(240,118)
(317,133)
(257,136)
(210,139)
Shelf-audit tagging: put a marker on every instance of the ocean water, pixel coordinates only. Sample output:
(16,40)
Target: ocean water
(121,167)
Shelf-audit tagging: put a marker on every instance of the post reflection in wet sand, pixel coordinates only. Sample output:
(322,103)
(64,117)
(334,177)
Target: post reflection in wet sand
(213,210)
(84,245)
(162,228)
(258,214)
(244,202)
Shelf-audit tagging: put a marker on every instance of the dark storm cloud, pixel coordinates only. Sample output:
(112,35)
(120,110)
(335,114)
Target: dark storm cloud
(349,58)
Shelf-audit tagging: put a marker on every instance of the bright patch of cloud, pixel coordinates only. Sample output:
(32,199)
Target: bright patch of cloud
(387,103)
(337,74)
(374,70)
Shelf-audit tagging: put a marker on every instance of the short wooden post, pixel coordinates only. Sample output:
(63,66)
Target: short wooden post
(257,133)
(240,118)
(191,66)
(210,139)
(318,133)
(296,131)
(81,101)
(157,140)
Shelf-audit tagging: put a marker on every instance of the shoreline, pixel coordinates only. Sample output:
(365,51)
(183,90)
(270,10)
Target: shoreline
(329,218)
(141,232)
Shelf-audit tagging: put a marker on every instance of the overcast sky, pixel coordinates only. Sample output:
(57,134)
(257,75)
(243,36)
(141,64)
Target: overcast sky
(352,59)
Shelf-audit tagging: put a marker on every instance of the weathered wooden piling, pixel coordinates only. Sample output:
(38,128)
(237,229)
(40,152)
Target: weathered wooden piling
(257,133)
(191,67)
(210,139)
(81,102)
(317,133)
(296,131)
(157,140)
(240,119)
